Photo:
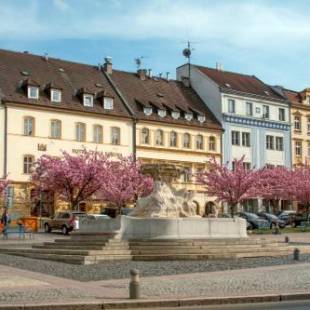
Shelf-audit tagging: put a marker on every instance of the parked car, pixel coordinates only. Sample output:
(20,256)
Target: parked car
(287,216)
(299,219)
(64,221)
(254,220)
(272,219)
(97,216)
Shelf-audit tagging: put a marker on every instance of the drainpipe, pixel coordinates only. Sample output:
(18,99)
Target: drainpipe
(134,138)
(5,141)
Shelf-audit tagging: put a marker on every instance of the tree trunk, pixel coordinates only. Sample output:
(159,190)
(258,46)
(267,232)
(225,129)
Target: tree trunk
(233,210)
(74,205)
(307,213)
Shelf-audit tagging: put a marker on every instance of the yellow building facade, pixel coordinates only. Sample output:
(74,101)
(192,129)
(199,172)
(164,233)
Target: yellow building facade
(300,122)
(49,105)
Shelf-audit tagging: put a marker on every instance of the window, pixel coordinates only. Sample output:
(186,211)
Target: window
(88,100)
(28,126)
(279,143)
(309,149)
(115,136)
(187,140)
(186,175)
(297,123)
(199,142)
(308,125)
(55,129)
(145,136)
(33,92)
(265,111)
(98,134)
(148,111)
(173,139)
(28,163)
(80,132)
(231,106)
(246,165)
(281,114)
(246,139)
(298,148)
(175,114)
(108,103)
(212,145)
(55,95)
(269,142)
(201,118)
(235,137)
(188,116)
(159,137)
(249,108)
(162,113)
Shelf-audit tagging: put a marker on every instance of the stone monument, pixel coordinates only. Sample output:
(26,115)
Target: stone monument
(166,213)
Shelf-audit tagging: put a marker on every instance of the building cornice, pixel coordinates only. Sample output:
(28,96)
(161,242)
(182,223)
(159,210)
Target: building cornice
(255,122)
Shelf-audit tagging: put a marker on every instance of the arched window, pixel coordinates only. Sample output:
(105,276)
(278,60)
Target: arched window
(98,134)
(29,126)
(212,144)
(187,140)
(55,129)
(80,132)
(145,136)
(28,162)
(115,135)
(159,137)
(199,142)
(173,139)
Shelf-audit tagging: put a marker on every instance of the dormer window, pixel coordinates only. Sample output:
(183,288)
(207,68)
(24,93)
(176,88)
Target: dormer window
(108,103)
(201,118)
(148,111)
(88,100)
(33,92)
(188,116)
(162,113)
(55,95)
(175,114)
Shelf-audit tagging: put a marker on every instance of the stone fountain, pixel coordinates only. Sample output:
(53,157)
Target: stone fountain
(166,213)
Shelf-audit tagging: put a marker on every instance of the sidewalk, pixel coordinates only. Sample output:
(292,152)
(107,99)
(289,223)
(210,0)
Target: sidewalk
(24,287)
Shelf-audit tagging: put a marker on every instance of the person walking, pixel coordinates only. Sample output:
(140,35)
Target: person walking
(5,221)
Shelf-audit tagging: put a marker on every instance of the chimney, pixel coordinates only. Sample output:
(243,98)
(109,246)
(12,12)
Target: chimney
(107,67)
(142,74)
(167,75)
(185,81)
(150,73)
(219,67)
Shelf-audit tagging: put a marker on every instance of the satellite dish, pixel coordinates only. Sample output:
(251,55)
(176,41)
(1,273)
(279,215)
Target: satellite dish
(187,52)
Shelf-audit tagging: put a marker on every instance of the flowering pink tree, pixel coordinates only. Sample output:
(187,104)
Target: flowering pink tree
(4,183)
(73,178)
(230,186)
(275,184)
(124,182)
(300,186)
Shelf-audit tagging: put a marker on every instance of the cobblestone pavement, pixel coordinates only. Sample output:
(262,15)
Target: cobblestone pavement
(20,286)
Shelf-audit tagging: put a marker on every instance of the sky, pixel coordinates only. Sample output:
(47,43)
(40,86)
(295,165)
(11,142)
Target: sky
(266,38)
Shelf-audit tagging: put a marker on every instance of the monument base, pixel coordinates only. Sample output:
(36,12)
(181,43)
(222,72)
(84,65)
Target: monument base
(132,228)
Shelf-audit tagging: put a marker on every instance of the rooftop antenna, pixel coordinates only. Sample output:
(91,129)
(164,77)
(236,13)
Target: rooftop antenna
(187,52)
(138,62)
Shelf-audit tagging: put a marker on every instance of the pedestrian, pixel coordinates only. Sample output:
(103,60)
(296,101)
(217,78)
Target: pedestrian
(5,221)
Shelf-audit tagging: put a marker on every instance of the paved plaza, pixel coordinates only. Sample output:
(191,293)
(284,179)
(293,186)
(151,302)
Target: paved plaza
(21,286)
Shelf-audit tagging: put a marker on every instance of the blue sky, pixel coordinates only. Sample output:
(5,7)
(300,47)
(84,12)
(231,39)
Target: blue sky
(267,38)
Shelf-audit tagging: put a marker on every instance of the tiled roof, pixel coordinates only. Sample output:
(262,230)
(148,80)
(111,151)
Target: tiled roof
(71,77)
(293,96)
(160,93)
(231,81)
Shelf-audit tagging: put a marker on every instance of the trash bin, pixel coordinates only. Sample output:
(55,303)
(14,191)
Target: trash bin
(31,222)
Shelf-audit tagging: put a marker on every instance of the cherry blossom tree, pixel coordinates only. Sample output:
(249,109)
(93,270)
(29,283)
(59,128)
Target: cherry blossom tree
(124,182)
(4,183)
(230,186)
(275,184)
(300,186)
(73,178)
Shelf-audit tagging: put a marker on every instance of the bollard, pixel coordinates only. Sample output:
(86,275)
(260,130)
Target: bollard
(296,254)
(287,239)
(134,284)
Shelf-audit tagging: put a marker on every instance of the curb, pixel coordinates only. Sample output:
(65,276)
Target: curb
(173,303)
